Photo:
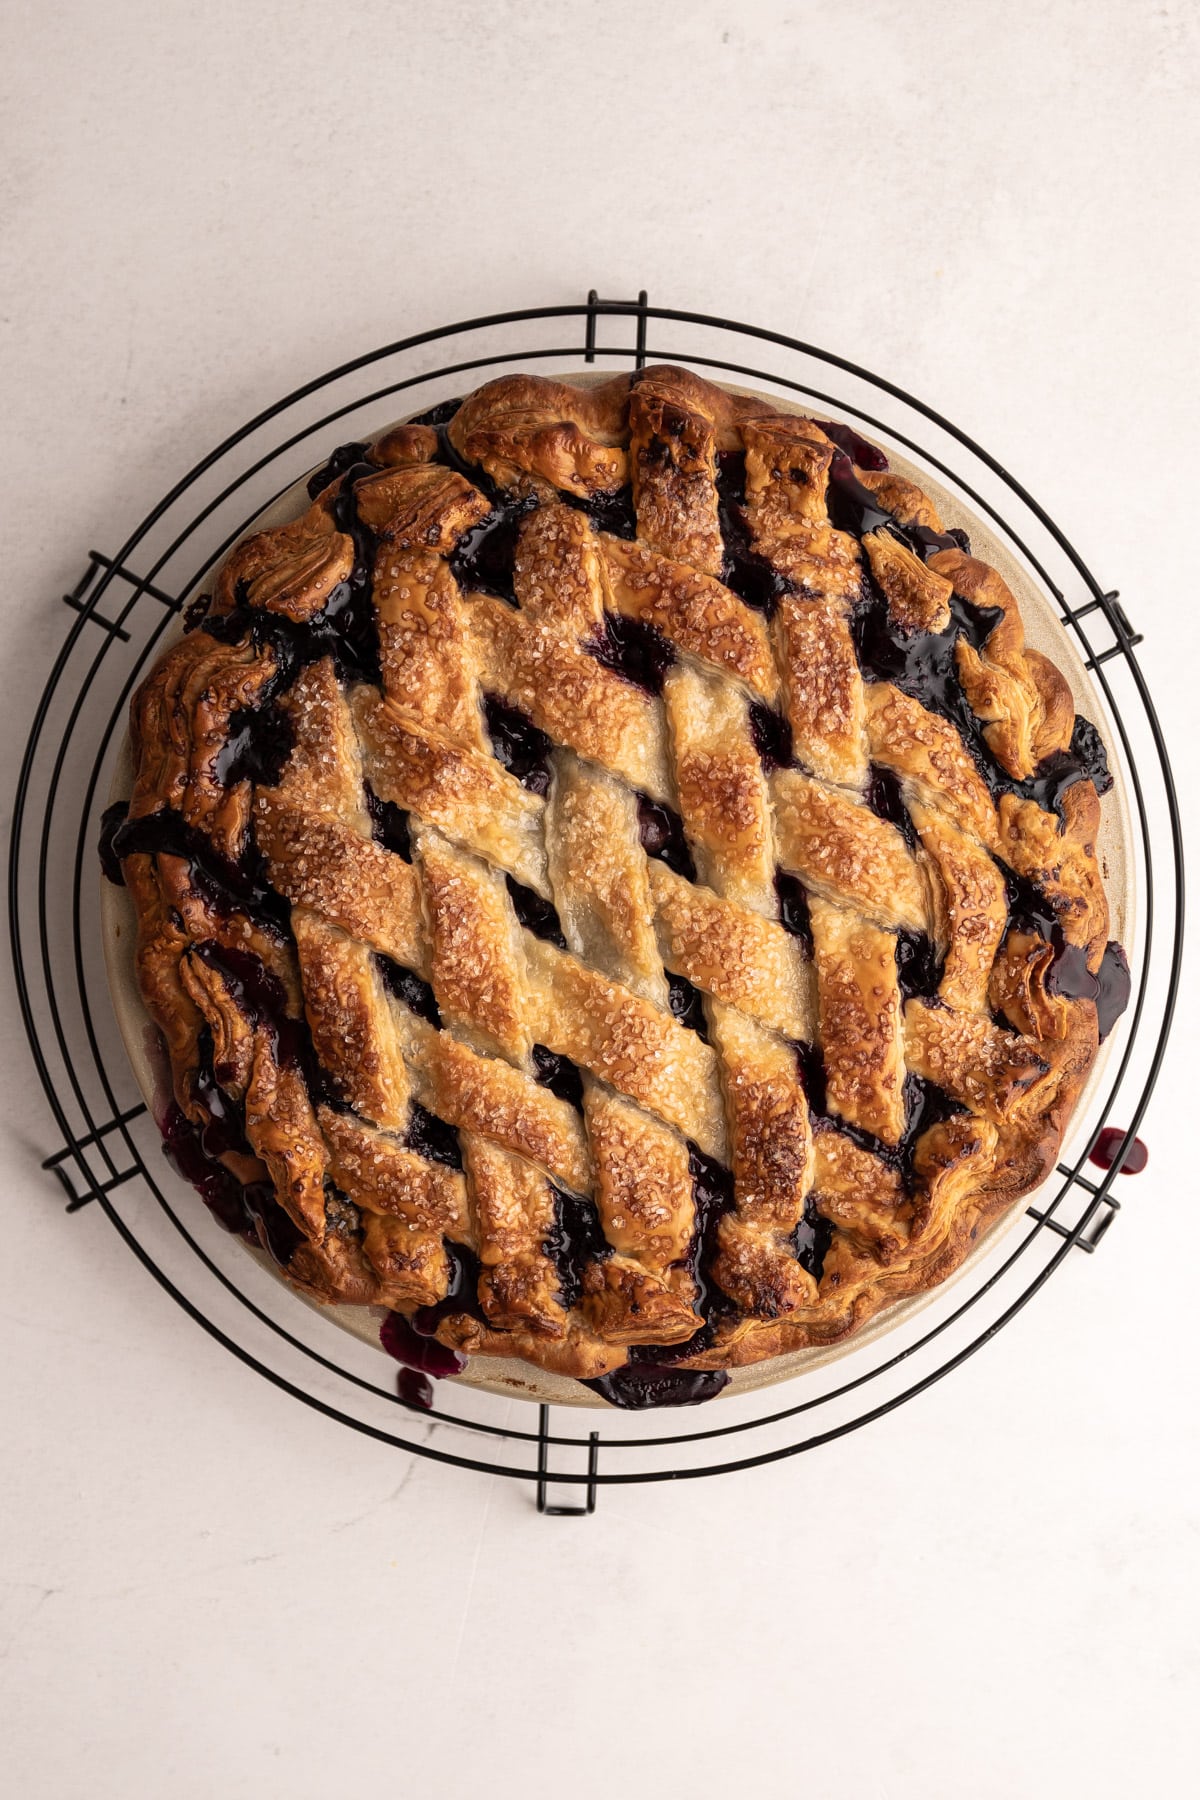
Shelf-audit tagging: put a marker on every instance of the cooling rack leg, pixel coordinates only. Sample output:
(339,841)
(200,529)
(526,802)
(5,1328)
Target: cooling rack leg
(636,307)
(544,1476)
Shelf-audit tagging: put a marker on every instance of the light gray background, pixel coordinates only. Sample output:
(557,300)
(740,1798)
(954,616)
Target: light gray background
(206,1589)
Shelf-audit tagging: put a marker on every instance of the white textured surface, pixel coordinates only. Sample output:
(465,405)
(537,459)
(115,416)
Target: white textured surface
(206,1589)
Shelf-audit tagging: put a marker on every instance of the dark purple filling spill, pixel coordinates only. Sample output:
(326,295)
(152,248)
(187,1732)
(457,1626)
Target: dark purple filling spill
(634,650)
(432,1138)
(559,1074)
(1107,1149)
(418,1351)
(772,736)
(415,1389)
(249,1211)
(1109,987)
(687,1004)
(535,913)
(183,1147)
(518,744)
(638,1386)
(389,824)
(483,561)
(1030,910)
(403,984)
(661,833)
(575,1239)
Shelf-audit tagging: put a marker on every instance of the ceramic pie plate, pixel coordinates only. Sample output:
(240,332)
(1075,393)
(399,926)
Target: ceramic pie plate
(509,1376)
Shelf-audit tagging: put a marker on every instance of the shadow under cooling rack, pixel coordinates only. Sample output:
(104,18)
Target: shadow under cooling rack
(108,1158)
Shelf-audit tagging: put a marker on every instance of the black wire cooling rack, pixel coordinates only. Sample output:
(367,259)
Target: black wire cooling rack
(110,1156)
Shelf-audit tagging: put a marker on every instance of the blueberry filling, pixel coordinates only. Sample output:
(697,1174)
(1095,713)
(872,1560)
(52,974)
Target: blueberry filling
(660,831)
(351,608)
(867,456)
(346,456)
(249,1210)
(612,512)
(631,648)
(111,820)
(918,965)
(811,1240)
(575,1239)
(389,823)
(260,741)
(925,1104)
(744,571)
(687,1004)
(1109,987)
(1030,910)
(403,984)
(922,663)
(793,908)
(772,736)
(713,1197)
(518,744)
(484,559)
(441,414)
(432,1138)
(461,1296)
(534,913)
(811,1066)
(559,1074)
(261,998)
(851,506)
(886,802)
(225,887)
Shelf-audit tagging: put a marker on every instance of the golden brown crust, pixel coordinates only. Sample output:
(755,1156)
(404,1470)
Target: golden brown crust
(404,969)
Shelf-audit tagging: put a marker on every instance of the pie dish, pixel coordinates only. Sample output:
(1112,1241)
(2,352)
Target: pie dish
(617,888)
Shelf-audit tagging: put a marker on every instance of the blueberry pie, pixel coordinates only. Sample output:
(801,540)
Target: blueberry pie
(616,886)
